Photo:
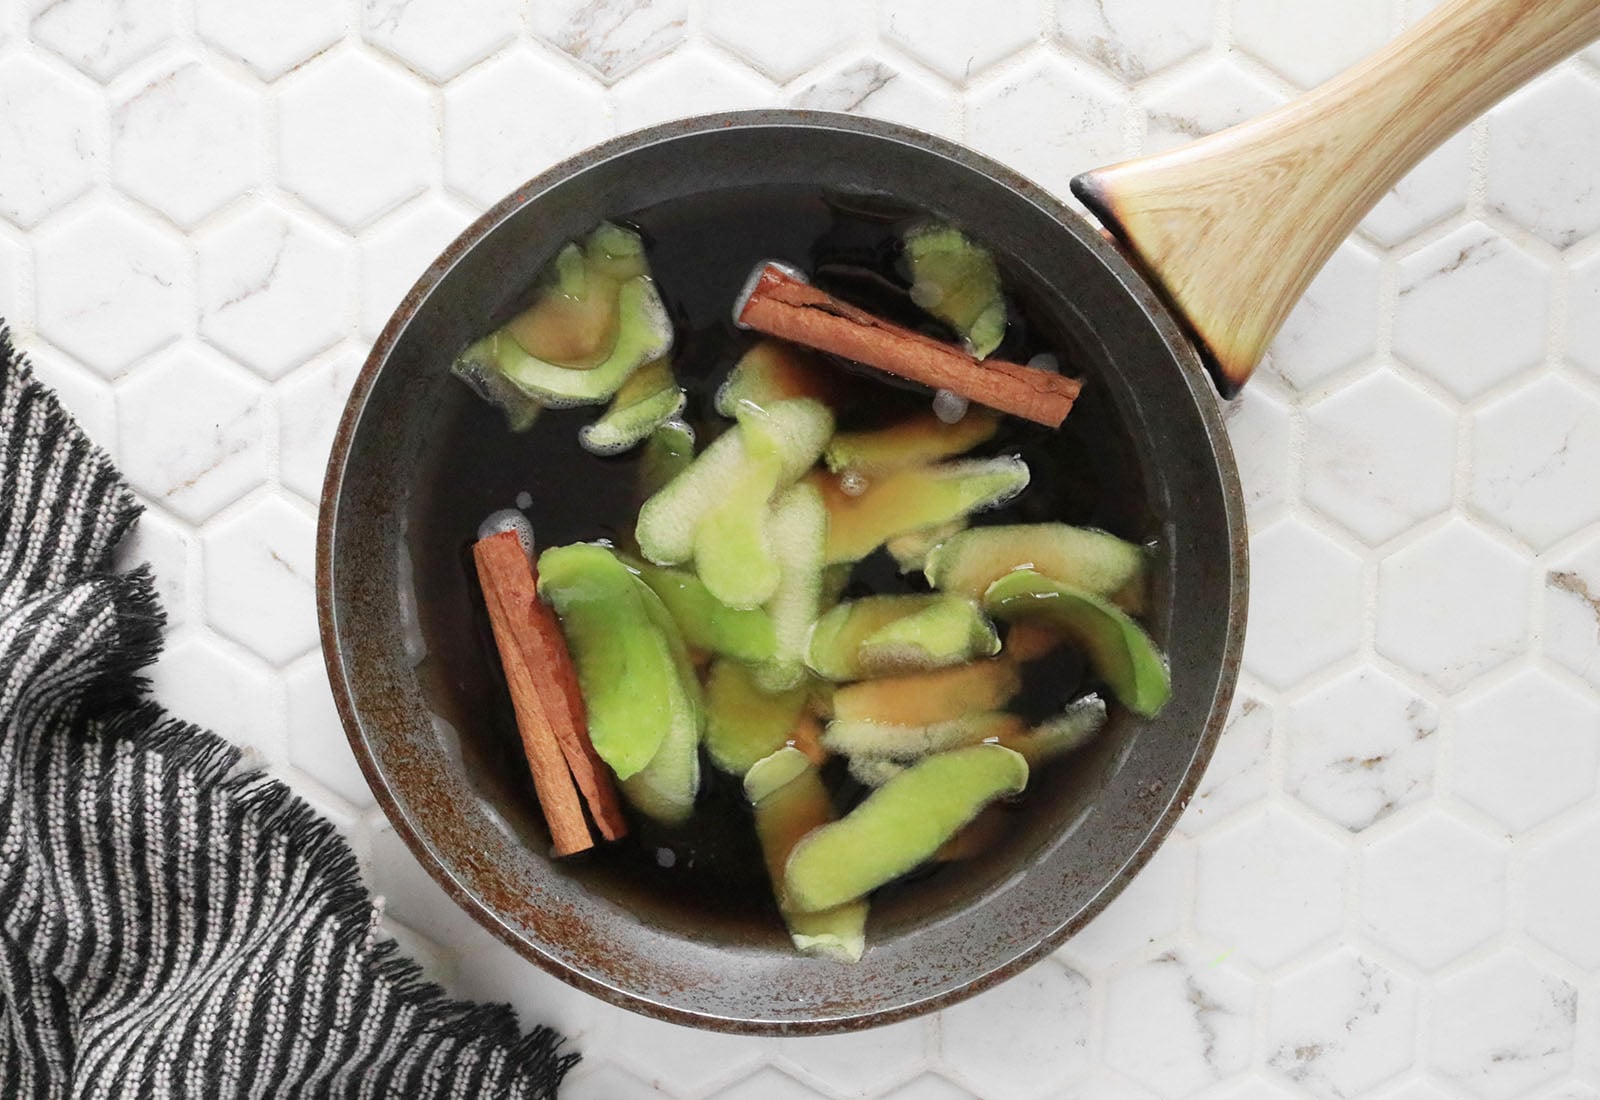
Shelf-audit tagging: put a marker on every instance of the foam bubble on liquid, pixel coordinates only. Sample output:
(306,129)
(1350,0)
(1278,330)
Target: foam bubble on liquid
(508,519)
(949,407)
(852,484)
(1046,362)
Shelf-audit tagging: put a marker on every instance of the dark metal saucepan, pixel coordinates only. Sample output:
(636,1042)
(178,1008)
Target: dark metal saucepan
(1214,242)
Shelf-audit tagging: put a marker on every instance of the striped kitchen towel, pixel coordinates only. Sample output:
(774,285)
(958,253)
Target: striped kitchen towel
(173,926)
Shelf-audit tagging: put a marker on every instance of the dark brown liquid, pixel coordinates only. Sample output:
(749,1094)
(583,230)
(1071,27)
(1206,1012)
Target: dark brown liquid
(701,250)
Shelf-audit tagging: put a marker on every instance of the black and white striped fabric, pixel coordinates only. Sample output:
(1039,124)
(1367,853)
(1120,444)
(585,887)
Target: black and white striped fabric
(169,927)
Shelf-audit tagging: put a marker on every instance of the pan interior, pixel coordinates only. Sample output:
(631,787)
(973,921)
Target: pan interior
(427,460)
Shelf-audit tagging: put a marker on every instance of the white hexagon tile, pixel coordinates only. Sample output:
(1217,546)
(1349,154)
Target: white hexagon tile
(1385,886)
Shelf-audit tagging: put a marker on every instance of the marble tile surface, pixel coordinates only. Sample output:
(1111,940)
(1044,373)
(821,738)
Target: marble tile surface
(1385,886)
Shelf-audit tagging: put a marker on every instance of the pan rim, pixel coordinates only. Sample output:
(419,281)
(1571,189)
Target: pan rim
(1120,267)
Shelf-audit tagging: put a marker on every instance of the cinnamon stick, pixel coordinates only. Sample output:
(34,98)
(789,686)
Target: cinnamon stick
(782,304)
(570,722)
(544,698)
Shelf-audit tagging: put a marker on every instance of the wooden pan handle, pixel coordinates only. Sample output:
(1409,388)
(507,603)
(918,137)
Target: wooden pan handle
(1234,226)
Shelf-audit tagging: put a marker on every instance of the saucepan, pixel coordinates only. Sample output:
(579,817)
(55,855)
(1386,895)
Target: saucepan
(1168,295)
